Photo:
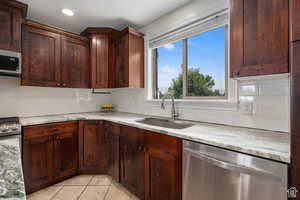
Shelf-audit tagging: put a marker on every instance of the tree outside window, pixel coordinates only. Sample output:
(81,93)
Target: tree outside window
(194,67)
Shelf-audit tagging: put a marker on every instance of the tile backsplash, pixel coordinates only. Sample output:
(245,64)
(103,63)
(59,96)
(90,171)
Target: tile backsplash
(16,100)
(264,103)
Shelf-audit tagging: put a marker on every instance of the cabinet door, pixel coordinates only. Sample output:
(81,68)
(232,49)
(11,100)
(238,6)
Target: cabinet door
(136,61)
(100,61)
(121,61)
(92,151)
(163,167)
(295,19)
(41,57)
(132,160)
(112,131)
(66,154)
(295,113)
(162,175)
(38,162)
(10,28)
(259,37)
(75,63)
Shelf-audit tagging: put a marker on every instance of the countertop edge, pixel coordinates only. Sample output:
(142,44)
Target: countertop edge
(101,116)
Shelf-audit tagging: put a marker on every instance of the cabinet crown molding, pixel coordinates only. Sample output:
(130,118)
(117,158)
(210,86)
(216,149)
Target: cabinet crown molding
(45,27)
(16,4)
(99,30)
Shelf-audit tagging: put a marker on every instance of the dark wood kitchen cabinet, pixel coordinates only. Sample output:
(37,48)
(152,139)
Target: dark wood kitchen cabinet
(295,20)
(75,62)
(66,154)
(38,162)
(132,160)
(163,167)
(102,56)
(112,131)
(92,147)
(41,57)
(54,58)
(11,15)
(295,116)
(50,153)
(259,37)
(129,59)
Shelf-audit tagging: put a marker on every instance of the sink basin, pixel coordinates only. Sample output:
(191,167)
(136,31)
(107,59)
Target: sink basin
(165,123)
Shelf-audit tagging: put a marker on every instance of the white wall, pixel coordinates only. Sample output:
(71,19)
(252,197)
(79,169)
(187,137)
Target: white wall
(16,100)
(268,98)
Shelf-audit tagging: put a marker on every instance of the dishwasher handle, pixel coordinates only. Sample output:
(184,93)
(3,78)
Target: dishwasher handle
(231,166)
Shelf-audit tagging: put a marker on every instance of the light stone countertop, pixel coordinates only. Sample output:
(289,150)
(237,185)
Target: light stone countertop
(11,175)
(265,144)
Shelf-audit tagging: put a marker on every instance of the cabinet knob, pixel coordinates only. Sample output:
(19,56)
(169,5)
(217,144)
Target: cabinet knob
(58,84)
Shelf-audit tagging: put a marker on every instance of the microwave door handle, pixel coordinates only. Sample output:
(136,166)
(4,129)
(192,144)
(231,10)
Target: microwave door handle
(231,166)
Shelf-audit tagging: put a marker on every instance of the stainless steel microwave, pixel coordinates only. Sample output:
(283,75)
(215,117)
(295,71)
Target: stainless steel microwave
(10,63)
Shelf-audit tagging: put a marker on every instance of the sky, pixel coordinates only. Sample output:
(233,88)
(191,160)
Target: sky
(206,52)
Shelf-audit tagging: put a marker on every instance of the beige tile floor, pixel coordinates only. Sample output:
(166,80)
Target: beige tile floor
(84,187)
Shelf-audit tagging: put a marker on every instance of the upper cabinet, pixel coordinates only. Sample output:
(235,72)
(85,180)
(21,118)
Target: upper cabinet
(295,20)
(54,58)
(75,62)
(102,56)
(41,57)
(11,14)
(129,59)
(259,37)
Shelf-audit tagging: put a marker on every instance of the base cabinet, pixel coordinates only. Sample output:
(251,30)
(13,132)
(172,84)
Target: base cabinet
(38,162)
(163,167)
(92,148)
(66,154)
(132,160)
(50,154)
(112,132)
(147,164)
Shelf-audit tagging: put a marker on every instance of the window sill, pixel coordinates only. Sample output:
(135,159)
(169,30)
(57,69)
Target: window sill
(198,104)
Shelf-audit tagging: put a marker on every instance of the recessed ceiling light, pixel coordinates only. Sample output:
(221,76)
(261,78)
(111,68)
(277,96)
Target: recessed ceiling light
(68,12)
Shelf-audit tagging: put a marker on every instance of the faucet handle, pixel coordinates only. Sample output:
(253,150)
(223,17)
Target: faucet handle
(175,115)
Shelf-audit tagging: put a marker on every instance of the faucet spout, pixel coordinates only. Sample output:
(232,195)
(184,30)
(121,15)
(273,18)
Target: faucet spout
(174,114)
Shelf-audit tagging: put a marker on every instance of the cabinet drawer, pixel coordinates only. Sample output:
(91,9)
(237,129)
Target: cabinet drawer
(49,129)
(165,143)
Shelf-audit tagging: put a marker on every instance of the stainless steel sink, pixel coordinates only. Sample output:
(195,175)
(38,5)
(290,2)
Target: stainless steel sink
(165,123)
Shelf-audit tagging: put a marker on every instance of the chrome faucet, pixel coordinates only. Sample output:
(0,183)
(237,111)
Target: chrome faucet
(174,114)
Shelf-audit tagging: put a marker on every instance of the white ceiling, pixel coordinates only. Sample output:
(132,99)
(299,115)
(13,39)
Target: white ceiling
(100,13)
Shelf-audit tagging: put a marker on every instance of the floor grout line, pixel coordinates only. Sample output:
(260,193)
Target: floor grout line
(107,192)
(57,192)
(82,192)
(85,187)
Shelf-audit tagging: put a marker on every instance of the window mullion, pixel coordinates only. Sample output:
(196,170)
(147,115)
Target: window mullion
(184,68)
(155,74)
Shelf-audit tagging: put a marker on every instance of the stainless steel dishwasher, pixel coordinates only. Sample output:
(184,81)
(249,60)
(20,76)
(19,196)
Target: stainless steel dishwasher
(211,173)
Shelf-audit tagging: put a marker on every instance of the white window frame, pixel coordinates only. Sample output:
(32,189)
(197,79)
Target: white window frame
(229,103)
(184,67)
